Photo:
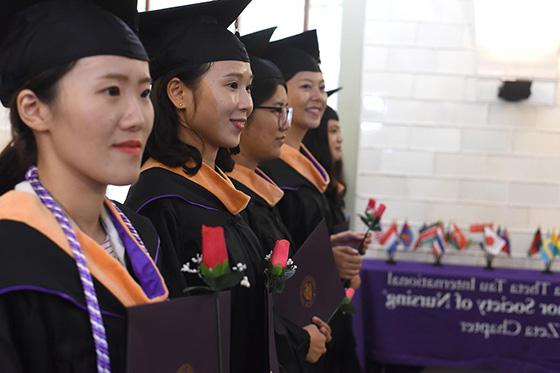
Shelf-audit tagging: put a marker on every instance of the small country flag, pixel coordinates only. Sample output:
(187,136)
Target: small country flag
(427,235)
(555,237)
(438,244)
(390,239)
(548,250)
(476,233)
(479,228)
(504,234)
(458,237)
(493,244)
(536,244)
(406,236)
(418,242)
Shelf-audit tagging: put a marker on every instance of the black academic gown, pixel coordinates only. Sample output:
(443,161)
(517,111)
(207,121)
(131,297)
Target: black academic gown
(339,218)
(44,325)
(302,208)
(263,219)
(178,207)
(292,342)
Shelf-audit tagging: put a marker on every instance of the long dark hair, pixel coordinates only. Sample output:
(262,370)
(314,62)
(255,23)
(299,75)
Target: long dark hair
(21,151)
(164,144)
(263,89)
(317,141)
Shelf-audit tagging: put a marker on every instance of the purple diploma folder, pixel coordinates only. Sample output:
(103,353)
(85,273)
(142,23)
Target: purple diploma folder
(315,289)
(180,335)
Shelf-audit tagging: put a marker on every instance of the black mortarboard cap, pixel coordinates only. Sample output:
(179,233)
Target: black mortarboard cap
(333,91)
(330,113)
(257,42)
(296,53)
(256,45)
(191,35)
(37,35)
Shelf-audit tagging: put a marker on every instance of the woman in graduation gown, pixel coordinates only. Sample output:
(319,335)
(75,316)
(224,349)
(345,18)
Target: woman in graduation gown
(302,178)
(71,260)
(325,143)
(202,100)
(261,140)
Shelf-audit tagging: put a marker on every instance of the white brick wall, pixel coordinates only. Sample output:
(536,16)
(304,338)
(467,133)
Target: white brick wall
(432,87)
(486,140)
(439,35)
(436,142)
(411,59)
(389,85)
(482,191)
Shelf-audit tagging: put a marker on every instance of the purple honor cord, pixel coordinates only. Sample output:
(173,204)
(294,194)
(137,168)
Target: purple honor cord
(96,321)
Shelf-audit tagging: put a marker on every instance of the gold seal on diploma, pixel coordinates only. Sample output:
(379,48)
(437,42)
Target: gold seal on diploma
(185,368)
(307,291)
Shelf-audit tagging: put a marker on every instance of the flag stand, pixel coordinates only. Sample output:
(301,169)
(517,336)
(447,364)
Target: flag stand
(438,262)
(547,267)
(489,261)
(391,258)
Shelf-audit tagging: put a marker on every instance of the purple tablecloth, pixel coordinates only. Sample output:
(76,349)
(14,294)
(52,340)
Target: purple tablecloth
(458,316)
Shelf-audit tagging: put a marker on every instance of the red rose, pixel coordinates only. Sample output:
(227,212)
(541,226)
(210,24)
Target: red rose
(380,210)
(279,256)
(280,253)
(214,250)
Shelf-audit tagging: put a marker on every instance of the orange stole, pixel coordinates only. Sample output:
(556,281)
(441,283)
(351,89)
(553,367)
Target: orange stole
(261,184)
(214,182)
(312,171)
(26,208)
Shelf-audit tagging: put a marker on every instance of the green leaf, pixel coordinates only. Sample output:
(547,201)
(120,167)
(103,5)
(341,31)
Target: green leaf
(347,308)
(204,271)
(365,220)
(276,270)
(217,271)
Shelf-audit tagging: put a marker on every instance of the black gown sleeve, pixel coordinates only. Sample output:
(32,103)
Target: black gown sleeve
(10,360)
(44,333)
(292,344)
(300,213)
(164,218)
